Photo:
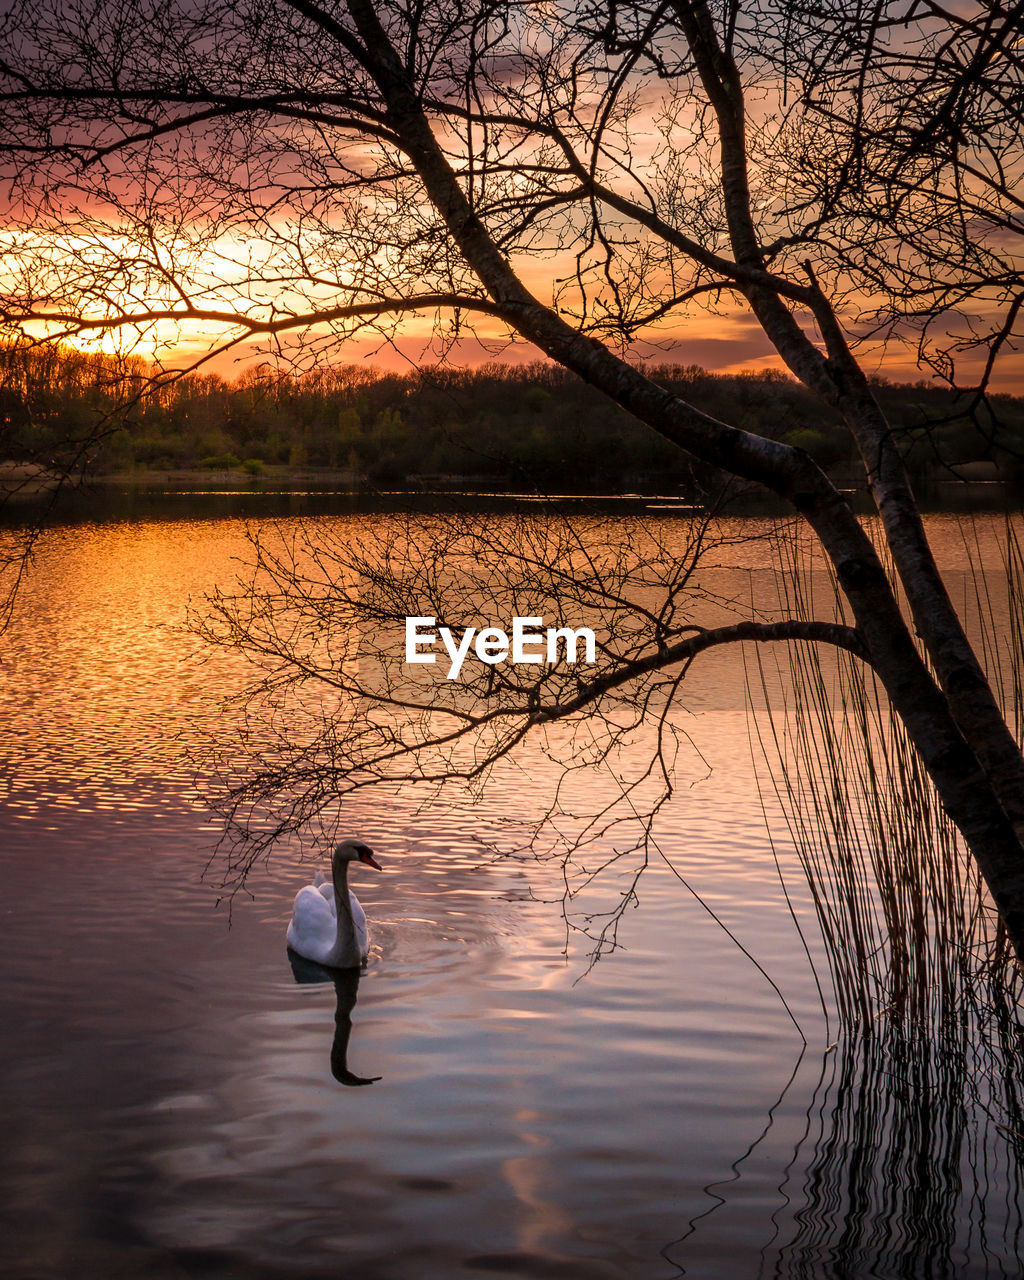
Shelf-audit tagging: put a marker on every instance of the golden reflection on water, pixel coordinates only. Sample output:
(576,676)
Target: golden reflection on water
(546,1221)
(168,1076)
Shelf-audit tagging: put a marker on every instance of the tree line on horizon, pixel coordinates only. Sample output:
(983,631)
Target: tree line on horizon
(508,424)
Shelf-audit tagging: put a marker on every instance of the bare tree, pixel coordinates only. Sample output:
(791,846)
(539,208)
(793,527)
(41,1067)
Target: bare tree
(300,171)
(911,150)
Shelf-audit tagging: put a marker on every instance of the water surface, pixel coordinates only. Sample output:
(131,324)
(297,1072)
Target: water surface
(170,1108)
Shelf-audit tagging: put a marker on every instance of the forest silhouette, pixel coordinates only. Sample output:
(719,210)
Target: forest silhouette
(501,423)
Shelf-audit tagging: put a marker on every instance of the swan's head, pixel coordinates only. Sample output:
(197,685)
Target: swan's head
(355,851)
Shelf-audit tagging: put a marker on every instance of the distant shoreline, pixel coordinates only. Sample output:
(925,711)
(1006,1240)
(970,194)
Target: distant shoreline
(31,481)
(26,485)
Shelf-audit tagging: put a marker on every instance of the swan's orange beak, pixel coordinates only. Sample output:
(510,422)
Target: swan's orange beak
(370,860)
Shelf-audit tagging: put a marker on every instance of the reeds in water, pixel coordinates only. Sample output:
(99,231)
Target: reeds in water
(910,947)
(905,921)
(916,1140)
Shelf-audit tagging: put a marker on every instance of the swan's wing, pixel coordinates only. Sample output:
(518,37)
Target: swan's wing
(324,886)
(314,926)
(359,920)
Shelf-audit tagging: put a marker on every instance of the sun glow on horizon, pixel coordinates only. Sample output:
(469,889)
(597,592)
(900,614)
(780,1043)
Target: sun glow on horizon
(208,279)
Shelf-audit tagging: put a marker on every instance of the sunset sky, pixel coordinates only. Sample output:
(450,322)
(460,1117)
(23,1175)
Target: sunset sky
(270,216)
(728,341)
(725,339)
(721,344)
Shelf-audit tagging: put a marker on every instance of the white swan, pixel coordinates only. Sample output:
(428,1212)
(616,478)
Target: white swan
(328,924)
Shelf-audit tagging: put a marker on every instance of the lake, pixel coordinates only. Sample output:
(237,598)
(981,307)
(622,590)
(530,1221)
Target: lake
(170,1108)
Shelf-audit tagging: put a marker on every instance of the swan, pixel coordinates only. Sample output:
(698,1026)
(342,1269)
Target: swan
(328,925)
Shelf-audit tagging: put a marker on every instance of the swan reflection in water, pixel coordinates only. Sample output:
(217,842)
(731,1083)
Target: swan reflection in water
(346,985)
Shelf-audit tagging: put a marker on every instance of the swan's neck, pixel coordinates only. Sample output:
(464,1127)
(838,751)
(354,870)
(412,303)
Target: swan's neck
(345,952)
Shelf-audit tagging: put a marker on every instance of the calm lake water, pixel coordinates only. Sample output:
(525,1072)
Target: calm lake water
(167,1089)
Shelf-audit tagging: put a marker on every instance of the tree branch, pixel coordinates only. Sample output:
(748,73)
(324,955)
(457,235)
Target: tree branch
(384,306)
(832,633)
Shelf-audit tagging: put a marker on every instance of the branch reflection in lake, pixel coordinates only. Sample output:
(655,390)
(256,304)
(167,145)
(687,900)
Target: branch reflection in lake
(346,987)
(903,1135)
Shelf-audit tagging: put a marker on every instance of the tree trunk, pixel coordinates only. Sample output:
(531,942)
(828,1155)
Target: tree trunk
(972,796)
